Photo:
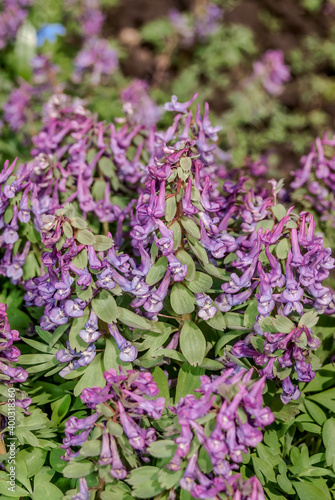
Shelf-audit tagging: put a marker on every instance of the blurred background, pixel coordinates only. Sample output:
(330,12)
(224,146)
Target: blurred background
(266,68)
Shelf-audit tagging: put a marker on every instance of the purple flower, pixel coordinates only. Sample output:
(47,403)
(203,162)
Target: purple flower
(128,352)
(73,308)
(83,493)
(96,57)
(272,71)
(174,105)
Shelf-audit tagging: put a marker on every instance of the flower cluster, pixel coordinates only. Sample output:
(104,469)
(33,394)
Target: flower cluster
(314,180)
(199,26)
(195,227)
(9,354)
(282,290)
(23,102)
(13,210)
(138,107)
(89,16)
(122,402)
(97,59)
(272,71)
(225,421)
(13,14)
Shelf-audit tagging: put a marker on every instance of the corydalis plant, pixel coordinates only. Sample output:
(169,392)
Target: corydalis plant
(9,354)
(224,422)
(313,183)
(121,415)
(98,167)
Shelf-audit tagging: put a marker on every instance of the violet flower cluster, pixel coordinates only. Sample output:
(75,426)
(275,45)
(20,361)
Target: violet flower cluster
(313,183)
(24,101)
(12,15)
(9,353)
(124,403)
(198,27)
(272,71)
(14,210)
(97,59)
(183,214)
(138,107)
(234,403)
(284,285)
(89,16)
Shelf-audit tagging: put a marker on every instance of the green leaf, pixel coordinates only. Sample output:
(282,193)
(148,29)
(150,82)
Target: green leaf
(267,325)
(234,321)
(57,334)
(325,398)
(328,436)
(258,342)
(92,376)
(133,320)
(192,343)
(162,449)
(162,382)
(182,300)
(177,234)
(309,319)
(282,249)
(79,469)
(285,484)
(315,411)
(201,282)
(55,459)
(105,307)
(60,409)
(44,475)
(264,224)
(19,492)
(185,163)
(188,380)
(33,458)
(198,249)
(107,167)
(218,321)
(111,355)
(170,208)
(323,379)
(307,491)
(211,364)
(77,342)
(190,227)
(21,472)
(47,490)
(185,258)
(225,339)
(283,324)
(141,474)
(103,243)
(157,271)
(67,229)
(168,478)
(35,359)
(78,223)
(81,260)
(85,237)
(263,467)
(250,314)
(216,271)
(91,448)
(114,428)
(279,211)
